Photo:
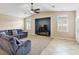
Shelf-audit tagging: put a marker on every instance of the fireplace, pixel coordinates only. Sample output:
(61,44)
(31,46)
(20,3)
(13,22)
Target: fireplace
(42,26)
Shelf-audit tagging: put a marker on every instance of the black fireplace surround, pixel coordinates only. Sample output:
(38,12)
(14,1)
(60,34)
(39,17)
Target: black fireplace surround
(42,26)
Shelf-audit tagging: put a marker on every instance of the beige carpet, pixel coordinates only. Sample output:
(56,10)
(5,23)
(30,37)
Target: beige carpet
(39,43)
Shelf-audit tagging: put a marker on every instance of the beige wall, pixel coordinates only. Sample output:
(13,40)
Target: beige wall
(71,25)
(10,22)
(77,26)
(53,15)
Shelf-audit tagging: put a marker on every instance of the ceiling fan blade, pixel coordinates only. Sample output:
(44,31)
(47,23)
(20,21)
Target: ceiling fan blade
(37,9)
(34,10)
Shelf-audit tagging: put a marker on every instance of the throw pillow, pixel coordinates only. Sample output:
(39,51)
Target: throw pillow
(3,33)
(14,32)
(4,36)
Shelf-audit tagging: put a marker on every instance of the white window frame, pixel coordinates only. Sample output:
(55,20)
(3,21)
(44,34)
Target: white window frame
(28,24)
(62,23)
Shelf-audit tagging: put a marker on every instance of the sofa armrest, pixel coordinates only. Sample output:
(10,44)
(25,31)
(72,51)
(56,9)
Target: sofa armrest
(24,48)
(25,34)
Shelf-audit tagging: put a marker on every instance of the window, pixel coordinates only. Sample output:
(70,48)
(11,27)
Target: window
(28,24)
(62,23)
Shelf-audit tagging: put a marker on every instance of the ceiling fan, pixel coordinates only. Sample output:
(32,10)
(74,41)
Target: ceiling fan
(37,10)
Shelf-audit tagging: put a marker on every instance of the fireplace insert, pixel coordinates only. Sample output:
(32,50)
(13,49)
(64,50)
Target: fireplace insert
(42,26)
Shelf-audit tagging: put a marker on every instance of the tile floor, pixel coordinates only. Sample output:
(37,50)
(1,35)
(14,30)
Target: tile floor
(62,46)
(42,45)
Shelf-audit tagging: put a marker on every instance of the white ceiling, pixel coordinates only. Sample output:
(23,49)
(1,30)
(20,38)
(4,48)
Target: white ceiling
(23,9)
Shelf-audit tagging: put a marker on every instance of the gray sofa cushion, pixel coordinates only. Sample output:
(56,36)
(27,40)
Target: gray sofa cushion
(13,45)
(18,33)
(4,43)
(4,36)
(13,40)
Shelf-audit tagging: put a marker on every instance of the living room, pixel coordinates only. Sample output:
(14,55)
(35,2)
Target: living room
(51,30)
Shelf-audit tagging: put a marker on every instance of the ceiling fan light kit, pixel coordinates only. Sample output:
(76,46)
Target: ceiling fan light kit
(37,10)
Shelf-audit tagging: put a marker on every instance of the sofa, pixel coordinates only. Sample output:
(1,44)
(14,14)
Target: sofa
(19,33)
(12,46)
